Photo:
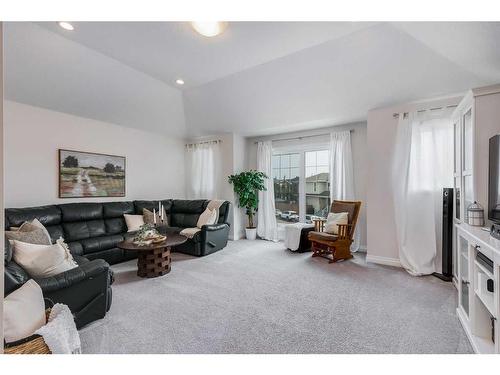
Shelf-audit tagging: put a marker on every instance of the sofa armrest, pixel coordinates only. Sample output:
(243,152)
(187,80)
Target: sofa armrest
(74,276)
(214,227)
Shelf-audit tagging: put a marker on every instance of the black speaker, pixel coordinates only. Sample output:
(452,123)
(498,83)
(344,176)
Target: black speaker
(447,249)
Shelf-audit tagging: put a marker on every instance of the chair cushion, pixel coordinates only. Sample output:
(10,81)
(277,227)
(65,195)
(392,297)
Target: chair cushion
(47,215)
(322,236)
(95,244)
(74,212)
(75,231)
(116,225)
(113,210)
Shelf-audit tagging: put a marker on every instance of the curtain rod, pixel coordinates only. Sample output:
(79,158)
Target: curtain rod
(302,137)
(396,115)
(202,143)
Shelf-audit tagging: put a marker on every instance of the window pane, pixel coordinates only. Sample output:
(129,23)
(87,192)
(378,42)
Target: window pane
(286,189)
(295,160)
(322,169)
(310,171)
(310,158)
(285,161)
(322,157)
(276,173)
(276,161)
(283,173)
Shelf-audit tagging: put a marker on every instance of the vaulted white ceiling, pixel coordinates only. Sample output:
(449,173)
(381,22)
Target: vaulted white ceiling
(256,78)
(171,50)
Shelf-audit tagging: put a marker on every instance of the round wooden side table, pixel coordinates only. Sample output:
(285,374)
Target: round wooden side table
(153,260)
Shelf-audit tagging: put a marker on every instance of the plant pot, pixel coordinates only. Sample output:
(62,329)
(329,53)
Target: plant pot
(251,233)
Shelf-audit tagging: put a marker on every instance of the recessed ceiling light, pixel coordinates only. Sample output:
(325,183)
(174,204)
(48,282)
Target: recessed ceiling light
(66,25)
(209,28)
(180,82)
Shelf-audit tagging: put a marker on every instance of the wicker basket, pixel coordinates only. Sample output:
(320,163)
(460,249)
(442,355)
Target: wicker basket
(30,345)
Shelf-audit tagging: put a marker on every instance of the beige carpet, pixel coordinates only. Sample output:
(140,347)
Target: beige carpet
(257,297)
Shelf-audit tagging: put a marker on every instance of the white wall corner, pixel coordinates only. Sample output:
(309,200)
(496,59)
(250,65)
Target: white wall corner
(394,262)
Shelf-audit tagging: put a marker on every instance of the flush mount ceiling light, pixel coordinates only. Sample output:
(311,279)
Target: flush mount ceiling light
(66,25)
(180,82)
(209,29)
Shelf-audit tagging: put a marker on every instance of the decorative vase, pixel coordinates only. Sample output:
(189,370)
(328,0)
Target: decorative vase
(251,233)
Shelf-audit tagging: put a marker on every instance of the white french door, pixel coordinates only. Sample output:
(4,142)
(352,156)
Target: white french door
(301,183)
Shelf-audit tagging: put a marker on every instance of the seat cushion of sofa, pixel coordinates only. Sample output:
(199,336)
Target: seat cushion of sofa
(95,244)
(113,256)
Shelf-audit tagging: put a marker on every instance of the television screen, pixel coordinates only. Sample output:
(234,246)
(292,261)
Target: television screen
(494,177)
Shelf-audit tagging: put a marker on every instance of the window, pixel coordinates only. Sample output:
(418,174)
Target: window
(286,176)
(317,188)
(301,185)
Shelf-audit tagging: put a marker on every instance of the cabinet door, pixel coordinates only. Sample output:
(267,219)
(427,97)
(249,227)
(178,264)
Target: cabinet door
(463,282)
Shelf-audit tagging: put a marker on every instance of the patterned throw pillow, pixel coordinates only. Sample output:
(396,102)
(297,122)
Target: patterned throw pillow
(149,217)
(35,236)
(31,232)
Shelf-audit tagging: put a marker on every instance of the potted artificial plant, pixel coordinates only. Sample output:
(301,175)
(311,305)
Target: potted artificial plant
(247,185)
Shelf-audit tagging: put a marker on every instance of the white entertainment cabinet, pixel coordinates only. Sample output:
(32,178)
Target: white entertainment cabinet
(475,120)
(476,306)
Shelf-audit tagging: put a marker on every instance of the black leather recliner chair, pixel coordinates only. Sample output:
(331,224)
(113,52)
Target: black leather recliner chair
(85,289)
(92,231)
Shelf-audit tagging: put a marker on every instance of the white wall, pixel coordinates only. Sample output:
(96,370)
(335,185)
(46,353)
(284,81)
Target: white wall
(381,226)
(360,161)
(154,164)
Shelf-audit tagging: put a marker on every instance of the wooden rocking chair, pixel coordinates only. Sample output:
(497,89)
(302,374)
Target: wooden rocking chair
(337,246)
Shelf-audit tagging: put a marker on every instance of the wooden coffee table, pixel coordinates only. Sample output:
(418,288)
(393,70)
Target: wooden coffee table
(153,260)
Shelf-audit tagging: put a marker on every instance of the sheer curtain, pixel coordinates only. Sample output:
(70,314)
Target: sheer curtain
(342,173)
(203,164)
(267,227)
(423,166)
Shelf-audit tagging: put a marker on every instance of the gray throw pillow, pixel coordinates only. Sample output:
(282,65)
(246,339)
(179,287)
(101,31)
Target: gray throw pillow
(31,232)
(149,217)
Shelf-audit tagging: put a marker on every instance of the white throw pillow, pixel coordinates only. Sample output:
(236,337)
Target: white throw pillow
(23,312)
(208,217)
(333,220)
(134,222)
(43,260)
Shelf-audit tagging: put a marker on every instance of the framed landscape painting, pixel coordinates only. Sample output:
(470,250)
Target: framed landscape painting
(85,174)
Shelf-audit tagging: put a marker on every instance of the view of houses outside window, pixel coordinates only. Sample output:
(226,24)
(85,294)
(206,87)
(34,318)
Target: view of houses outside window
(287,180)
(286,172)
(317,184)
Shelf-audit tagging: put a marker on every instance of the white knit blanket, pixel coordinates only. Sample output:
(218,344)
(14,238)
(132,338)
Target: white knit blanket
(292,235)
(214,204)
(60,332)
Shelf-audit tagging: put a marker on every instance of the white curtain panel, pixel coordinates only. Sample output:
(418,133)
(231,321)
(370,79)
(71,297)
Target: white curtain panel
(267,227)
(423,166)
(342,173)
(203,165)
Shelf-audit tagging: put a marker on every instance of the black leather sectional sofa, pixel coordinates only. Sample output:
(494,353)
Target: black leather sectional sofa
(92,231)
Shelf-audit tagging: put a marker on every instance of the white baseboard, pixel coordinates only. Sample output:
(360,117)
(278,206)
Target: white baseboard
(383,260)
